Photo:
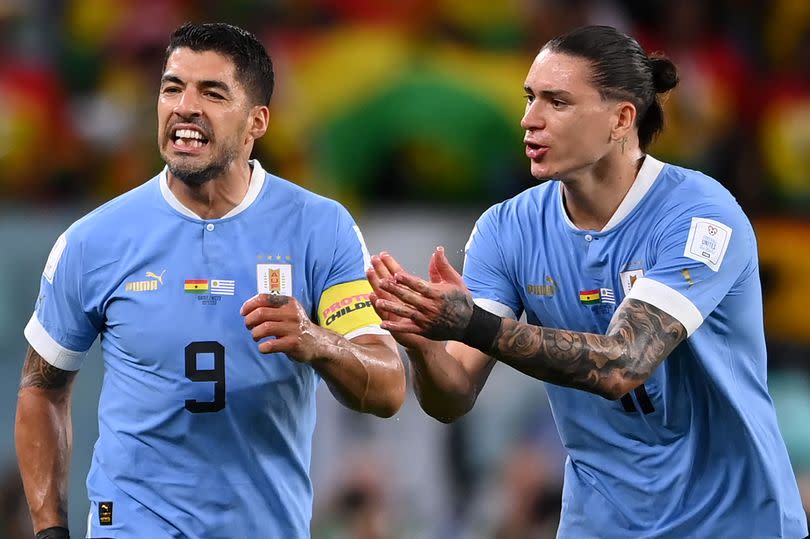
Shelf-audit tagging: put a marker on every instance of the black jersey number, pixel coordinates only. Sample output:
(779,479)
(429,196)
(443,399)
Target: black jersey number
(216,375)
(643,401)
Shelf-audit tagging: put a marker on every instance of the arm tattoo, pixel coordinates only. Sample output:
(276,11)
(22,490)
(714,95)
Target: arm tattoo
(40,374)
(639,338)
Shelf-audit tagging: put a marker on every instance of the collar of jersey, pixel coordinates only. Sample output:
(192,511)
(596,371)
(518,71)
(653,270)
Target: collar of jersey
(255,187)
(647,175)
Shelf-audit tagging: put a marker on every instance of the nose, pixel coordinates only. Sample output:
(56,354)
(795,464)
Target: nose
(188,104)
(533,117)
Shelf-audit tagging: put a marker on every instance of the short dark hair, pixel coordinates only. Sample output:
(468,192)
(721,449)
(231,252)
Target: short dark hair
(623,70)
(254,68)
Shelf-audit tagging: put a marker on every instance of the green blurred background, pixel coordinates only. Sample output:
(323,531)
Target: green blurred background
(407,112)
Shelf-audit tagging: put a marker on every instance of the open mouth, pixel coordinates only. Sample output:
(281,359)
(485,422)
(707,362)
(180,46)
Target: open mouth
(535,151)
(189,138)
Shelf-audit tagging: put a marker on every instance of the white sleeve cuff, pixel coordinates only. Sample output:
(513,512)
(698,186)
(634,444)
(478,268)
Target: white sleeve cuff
(50,350)
(367,330)
(495,307)
(668,300)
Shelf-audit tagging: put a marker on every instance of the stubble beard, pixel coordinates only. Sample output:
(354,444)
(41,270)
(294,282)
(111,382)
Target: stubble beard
(196,175)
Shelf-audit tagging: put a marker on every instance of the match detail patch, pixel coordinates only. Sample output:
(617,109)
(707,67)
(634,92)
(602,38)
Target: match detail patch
(346,307)
(53,258)
(708,241)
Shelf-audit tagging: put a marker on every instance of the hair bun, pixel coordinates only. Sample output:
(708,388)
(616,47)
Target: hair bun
(664,73)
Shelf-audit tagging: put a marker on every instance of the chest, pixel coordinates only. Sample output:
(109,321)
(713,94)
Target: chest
(187,281)
(576,281)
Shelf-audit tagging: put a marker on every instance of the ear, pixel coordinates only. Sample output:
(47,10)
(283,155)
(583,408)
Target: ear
(624,120)
(258,121)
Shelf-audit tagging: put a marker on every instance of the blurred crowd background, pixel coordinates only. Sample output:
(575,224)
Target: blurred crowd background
(407,111)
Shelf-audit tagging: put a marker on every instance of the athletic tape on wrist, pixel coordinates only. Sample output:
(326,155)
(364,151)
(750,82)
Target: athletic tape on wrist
(482,329)
(56,532)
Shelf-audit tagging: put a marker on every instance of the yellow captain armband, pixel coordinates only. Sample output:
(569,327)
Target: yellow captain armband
(346,307)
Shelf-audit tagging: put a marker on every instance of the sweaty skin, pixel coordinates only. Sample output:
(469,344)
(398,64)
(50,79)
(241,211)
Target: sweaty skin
(43,437)
(364,373)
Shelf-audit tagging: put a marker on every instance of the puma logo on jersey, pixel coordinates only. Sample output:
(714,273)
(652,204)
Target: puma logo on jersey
(153,283)
(158,277)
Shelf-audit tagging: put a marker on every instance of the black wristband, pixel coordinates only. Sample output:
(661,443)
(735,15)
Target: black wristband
(482,329)
(57,532)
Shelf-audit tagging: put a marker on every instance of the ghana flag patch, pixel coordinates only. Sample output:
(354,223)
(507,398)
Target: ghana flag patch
(589,297)
(196,286)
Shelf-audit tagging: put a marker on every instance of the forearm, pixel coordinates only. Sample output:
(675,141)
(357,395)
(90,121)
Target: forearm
(364,374)
(444,388)
(599,364)
(43,437)
(638,339)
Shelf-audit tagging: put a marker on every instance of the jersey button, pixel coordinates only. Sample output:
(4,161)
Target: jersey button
(588,237)
(209,227)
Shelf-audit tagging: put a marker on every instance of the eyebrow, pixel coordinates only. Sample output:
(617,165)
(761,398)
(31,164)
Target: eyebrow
(203,83)
(549,94)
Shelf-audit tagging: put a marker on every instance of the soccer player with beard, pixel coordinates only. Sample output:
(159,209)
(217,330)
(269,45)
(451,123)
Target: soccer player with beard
(640,284)
(202,432)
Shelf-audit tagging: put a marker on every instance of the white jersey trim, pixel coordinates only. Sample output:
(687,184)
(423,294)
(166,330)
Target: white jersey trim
(668,300)
(255,187)
(50,350)
(647,175)
(367,330)
(495,307)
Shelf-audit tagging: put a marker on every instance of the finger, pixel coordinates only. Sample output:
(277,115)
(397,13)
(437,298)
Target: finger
(391,263)
(263,300)
(375,278)
(282,344)
(379,266)
(271,329)
(416,284)
(402,293)
(433,271)
(264,314)
(393,307)
(373,298)
(445,269)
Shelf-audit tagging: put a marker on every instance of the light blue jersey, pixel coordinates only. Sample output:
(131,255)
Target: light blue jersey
(695,451)
(200,435)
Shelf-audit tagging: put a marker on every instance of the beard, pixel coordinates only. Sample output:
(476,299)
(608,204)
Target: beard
(195,174)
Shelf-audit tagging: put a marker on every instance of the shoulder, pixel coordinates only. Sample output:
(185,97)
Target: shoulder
(129,210)
(692,189)
(531,203)
(289,193)
(686,194)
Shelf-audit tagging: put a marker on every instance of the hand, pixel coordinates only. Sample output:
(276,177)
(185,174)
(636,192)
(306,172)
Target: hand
(439,310)
(282,317)
(383,266)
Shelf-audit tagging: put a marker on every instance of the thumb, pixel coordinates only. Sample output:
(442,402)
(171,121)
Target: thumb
(443,267)
(433,269)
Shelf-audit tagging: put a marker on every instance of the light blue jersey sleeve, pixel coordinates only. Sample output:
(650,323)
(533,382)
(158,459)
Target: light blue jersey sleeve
(67,318)
(700,255)
(344,305)
(484,268)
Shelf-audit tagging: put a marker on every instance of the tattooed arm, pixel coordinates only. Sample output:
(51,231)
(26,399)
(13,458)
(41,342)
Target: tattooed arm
(638,339)
(44,438)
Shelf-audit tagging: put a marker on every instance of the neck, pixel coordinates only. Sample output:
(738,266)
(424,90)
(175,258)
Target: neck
(592,197)
(216,197)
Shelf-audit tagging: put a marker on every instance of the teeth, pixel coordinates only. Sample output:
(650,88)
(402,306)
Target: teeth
(188,134)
